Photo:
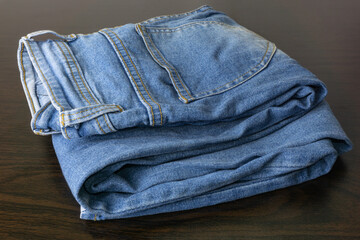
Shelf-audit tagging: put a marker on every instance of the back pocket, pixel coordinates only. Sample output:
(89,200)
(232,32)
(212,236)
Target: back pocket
(205,58)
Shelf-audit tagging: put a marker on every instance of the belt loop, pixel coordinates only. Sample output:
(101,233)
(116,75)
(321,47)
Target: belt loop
(70,37)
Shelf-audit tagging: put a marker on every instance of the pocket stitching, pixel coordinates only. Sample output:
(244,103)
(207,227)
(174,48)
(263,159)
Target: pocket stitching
(161,117)
(197,95)
(131,76)
(208,92)
(167,65)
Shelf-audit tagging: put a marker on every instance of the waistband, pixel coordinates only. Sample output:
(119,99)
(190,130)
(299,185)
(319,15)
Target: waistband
(48,89)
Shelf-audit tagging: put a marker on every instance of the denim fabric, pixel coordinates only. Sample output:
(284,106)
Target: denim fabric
(176,112)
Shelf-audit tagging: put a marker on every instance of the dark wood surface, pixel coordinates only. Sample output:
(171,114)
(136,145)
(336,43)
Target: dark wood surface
(324,36)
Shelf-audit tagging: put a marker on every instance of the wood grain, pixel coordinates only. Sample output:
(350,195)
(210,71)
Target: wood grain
(324,36)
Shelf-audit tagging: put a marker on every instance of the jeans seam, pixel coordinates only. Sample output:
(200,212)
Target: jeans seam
(90,108)
(205,93)
(161,117)
(61,107)
(83,82)
(63,124)
(100,126)
(106,121)
(39,112)
(80,75)
(72,73)
(105,108)
(90,93)
(24,79)
(131,76)
(73,76)
(166,65)
(32,53)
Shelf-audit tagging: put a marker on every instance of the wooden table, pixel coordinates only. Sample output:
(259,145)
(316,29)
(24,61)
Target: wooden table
(324,36)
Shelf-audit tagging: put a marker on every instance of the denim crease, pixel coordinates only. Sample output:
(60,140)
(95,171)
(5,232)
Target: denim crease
(176,112)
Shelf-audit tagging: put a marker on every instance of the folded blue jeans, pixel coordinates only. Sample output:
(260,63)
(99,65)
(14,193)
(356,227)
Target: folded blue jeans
(176,112)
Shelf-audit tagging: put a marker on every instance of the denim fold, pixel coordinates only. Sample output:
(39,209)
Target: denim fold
(176,112)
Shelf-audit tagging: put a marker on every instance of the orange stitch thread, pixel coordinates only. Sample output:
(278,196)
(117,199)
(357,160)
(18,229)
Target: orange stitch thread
(119,108)
(100,126)
(152,113)
(168,66)
(104,108)
(213,22)
(66,133)
(83,84)
(32,53)
(90,108)
(24,80)
(219,24)
(62,108)
(87,115)
(138,75)
(83,81)
(62,122)
(107,123)
(39,113)
(67,61)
